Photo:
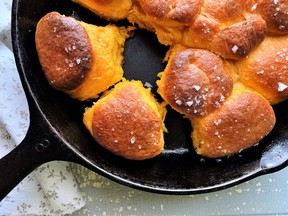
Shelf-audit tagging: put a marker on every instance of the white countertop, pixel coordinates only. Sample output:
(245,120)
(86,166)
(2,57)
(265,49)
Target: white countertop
(264,195)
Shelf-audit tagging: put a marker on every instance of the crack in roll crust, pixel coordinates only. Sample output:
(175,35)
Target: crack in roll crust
(63,41)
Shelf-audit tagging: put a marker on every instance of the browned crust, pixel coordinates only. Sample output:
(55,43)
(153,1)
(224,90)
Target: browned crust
(201,33)
(266,69)
(195,82)
(275,13)
(227,12)
(240,123)
(127,125)
(234,41)
(238,40)
(227,28)
(64,50)
(181,12)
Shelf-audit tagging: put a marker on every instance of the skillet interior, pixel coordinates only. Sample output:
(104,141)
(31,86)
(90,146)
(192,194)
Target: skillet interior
(178,169)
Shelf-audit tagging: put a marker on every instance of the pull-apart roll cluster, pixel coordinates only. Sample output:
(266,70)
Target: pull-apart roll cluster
(226,67)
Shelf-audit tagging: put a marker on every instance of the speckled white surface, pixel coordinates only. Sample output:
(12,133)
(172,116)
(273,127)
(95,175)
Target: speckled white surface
(264,195)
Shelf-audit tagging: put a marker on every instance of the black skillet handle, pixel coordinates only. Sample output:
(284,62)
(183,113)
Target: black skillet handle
(40,145)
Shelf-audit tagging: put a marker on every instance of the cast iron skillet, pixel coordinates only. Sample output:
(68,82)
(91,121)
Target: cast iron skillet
(56,131)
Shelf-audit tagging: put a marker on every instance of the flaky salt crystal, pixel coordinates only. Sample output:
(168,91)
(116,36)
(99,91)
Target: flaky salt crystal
(196,87)
(179,102)
(282,87)
(189,103)
(234,49)
(133,139)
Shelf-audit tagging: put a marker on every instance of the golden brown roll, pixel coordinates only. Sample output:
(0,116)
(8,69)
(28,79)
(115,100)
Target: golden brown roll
(109,9)
(227,12)
(243,120)
(275,13)
(171,12)
(128,121)
(166,18)
(227,64)
(266,69)
(228,28)
(80,59)
(195,82)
